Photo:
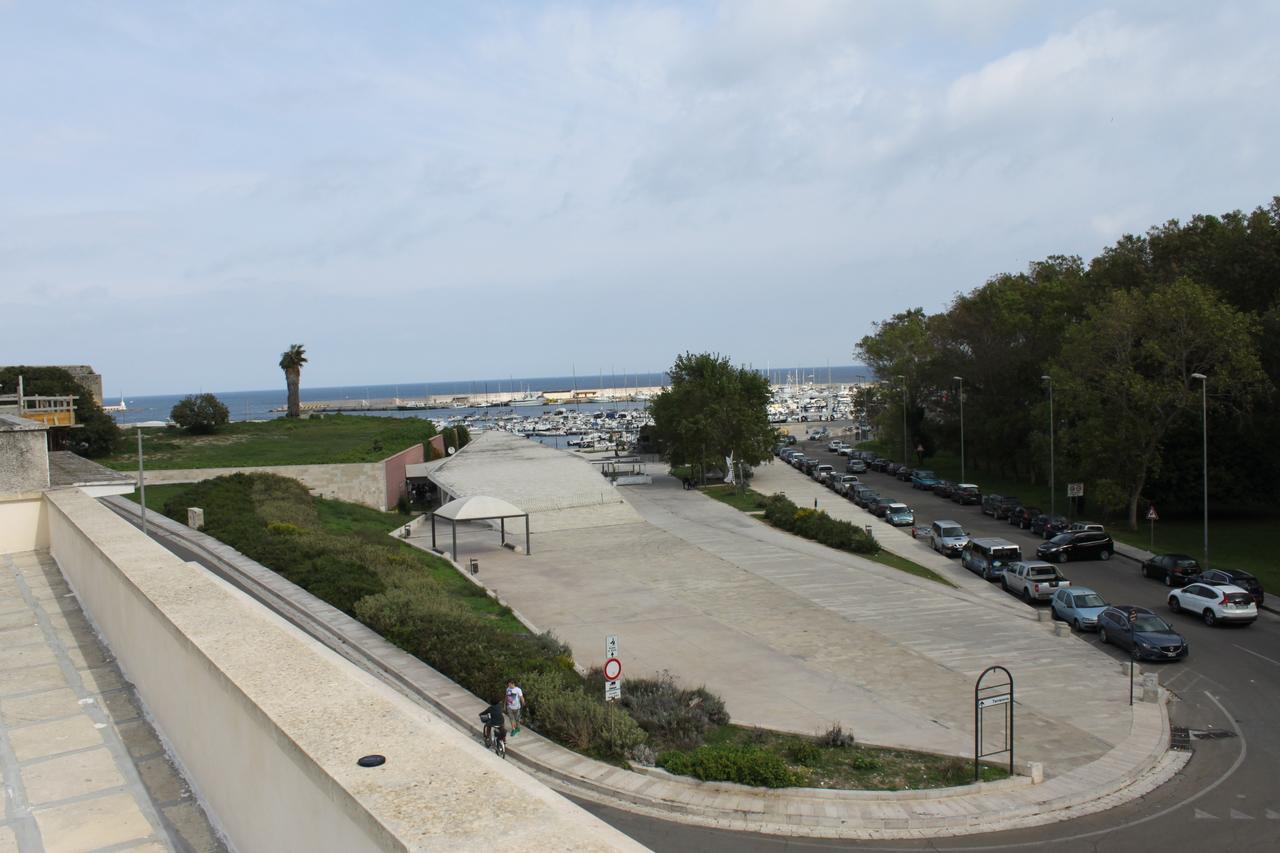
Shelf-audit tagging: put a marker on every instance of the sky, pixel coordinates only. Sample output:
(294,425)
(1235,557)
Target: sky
(434,191)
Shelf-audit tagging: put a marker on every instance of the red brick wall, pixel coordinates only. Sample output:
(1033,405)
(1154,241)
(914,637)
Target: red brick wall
(393,470)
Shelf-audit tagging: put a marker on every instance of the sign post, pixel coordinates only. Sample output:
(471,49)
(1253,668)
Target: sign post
(1152,518)
(1075,490)
(612,669)
(995,695)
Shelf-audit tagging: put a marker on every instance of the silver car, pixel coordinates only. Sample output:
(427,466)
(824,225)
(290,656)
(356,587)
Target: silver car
(947,537)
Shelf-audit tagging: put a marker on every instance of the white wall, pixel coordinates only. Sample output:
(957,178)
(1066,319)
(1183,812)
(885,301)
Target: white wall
(22,523)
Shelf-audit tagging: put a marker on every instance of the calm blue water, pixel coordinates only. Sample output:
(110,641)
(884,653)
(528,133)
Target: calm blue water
(259,405)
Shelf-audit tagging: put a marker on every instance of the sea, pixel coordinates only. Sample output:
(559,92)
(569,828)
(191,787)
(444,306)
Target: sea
(264,404)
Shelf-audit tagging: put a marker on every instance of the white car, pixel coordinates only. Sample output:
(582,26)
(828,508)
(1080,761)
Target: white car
(1214,604)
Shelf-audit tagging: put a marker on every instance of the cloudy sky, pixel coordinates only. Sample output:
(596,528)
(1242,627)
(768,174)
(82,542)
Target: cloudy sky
(431,191)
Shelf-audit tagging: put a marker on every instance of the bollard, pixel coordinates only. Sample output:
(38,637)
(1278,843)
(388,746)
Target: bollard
(195,518)
(1036,772)
(474,565)
(1061,629)
(1150,687)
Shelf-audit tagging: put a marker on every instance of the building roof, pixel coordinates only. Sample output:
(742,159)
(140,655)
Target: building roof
(477,508)
(14,423)
(559,490)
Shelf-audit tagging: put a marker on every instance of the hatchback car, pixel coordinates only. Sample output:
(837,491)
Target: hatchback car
(855,466)
(1144,634)
(966,493)
(1078,606)
(905,473)
(1244,580)
(1082,545)
(1173,569)
(879,505)
(861,494)
(1214,604)
(923,478)
(899,515)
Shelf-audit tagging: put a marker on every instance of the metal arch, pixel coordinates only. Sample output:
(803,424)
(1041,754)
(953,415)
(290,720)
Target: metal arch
(977,719)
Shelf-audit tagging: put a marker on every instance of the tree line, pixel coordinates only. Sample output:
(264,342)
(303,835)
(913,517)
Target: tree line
(1119,343)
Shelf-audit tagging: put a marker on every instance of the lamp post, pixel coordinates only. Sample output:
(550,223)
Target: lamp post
(1204,438)
(960,379)
(906,450)
(1053,494)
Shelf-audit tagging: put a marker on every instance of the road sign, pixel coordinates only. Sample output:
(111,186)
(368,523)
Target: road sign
(611,646)
(994,700)
(1151,514)
(1075,490)
(612,690)
(612,669)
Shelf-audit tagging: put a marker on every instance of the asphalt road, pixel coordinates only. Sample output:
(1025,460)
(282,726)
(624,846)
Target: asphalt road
(1227,693)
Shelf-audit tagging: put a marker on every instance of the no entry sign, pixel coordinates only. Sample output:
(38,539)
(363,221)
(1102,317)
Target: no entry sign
(612,669)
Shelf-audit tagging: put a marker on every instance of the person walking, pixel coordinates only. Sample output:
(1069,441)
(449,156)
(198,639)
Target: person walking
(515,706)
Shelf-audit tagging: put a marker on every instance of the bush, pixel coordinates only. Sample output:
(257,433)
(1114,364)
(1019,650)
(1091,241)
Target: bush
(563,711)
(745,765)
(806,753)
(200,413)
(836,738)
(818,526)
(673,716)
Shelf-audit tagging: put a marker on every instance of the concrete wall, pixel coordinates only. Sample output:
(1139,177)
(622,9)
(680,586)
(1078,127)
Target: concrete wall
(393,473)
(267,724)
(23,524)
(24,458)
(357,482)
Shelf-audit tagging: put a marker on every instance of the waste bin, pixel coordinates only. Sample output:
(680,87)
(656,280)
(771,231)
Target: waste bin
(474,565)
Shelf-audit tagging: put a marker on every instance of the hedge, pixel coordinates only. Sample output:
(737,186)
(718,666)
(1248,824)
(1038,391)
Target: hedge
(817,525)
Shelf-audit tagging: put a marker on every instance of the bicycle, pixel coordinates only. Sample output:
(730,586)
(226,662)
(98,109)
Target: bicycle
(497,744)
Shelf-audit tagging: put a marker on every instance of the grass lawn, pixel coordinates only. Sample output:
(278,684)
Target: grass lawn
(158,495)
(864,768)
(748,501)
(282,441)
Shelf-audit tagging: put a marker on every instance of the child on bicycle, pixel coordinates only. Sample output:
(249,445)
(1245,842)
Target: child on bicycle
(493,720)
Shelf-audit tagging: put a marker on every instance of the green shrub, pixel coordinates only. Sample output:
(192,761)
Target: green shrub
(804,752)
(745,765)
(836,738)
(200,414)
(818,526)
(563,711)
(283,528)
(673,716)
(865,761)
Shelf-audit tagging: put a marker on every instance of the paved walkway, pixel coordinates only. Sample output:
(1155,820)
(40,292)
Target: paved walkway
(81,768)
(796,636)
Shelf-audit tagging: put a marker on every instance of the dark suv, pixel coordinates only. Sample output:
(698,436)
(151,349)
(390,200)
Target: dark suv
(966,493)
(1081,545)
(999,506)
(1231,577)
(1173,569)
(1048,526)
(1022,516)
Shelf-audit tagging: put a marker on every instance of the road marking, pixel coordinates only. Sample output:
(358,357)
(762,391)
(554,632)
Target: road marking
(1235,815)
(1204,815)
(1272,814)
(1256,655)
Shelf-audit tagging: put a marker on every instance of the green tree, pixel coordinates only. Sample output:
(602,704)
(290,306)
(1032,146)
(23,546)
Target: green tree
(97,432)
(200,413)
(713,411)
(1125,376)
(291,361)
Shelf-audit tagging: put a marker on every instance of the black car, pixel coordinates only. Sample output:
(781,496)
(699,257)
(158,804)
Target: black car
(1081,545)
(879,463)
(999,506)
(892,468)
(1143,633)
(965,494)
(944,488)
(904,473)
(878,505)
(862,495)
(1235,577)
(1173,569)
(1048,526)
(1022,516)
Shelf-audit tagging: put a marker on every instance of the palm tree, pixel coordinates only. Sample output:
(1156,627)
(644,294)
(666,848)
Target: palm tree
(291,362)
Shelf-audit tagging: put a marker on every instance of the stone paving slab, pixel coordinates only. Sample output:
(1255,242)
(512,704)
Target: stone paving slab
(83,770)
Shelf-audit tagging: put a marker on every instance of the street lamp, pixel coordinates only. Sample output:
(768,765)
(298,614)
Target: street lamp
(1053,494)
(906,452)
(1204,437)
(960,379)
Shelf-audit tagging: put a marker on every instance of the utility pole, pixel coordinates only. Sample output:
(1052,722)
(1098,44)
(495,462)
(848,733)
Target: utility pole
(1204,438)
(1053,495)
(960,379)
(142,486)
(906,449)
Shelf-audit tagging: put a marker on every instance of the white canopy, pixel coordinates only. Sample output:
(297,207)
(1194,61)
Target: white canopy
(477,508)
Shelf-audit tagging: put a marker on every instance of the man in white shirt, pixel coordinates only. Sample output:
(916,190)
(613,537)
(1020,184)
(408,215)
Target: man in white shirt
(515,705)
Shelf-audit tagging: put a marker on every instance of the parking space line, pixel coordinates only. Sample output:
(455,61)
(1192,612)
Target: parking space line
(1256,655)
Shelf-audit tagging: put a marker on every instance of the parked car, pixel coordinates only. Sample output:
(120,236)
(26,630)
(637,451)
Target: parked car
(1081,545)
(1047,526)
(1078,606)
(834,445)
(810,464)
(855,466)
(879,505)
(821,472)
(1022,516)
(1214,604)
(1087,525)
(1173,569)
(899,515)
(1244,580)
(988,557)
(842,483)
(966,493)
(990,503)
(944,488)
(861,494)
(879,463)
(893,468)
(1142,632)
(947,537)
(1032,580)
(923,478)
(905,473)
